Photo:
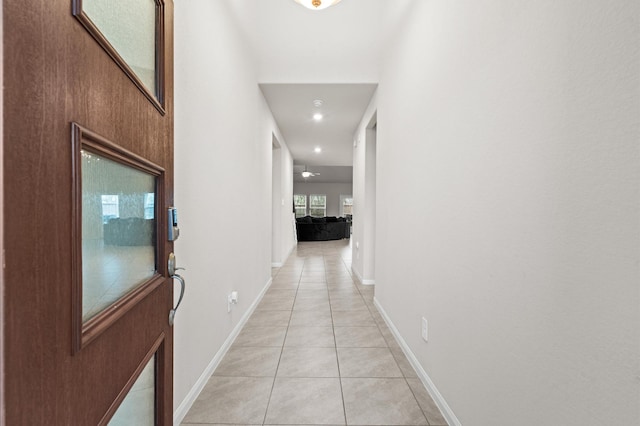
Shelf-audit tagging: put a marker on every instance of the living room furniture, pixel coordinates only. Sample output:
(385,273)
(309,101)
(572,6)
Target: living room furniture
(131,231)
(322,228)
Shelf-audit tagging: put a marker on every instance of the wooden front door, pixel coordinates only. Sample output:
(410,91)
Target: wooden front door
(88,179)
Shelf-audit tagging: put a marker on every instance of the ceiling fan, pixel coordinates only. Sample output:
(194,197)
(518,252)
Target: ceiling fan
(306,174)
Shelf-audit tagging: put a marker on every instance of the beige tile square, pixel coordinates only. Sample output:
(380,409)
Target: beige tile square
(239,400)
(344,292)
(341,284)
(269,318)
(310,337)
(285,279)
(318,318)
(429,407)
(284,285)
(261,336)
(249,362)
(312,286)
(367,362)
(306,402)
(308,362)
(317,273)
(403,362)
(274,303)
(380,402)
(348,304)
(280,293)
(311,304)
(388,336)
(304,293)
(352,318)
(359,337)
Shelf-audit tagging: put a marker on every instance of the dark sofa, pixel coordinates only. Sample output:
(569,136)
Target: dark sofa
(131,231)
(322,228)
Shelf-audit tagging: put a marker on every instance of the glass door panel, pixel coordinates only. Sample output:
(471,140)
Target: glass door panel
(118,231)
(130,27)
(138,407)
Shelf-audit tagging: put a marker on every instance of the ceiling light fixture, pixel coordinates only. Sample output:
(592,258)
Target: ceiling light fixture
(307,174)
(317,116)
(317,150)
(317,4)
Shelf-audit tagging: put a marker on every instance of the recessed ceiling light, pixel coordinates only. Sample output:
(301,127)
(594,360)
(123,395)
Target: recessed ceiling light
(317,116)
(317,103)
(318,150)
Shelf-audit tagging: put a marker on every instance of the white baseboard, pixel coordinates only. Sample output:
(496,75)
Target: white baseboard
(359,277)
(184,407)
(437,397)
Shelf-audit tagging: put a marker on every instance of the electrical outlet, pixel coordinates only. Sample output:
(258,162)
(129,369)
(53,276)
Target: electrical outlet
(232,299)
(425,330)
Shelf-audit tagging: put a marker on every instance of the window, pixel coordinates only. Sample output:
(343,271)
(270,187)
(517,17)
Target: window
(149,205)
(110,208)
(300,205)
(317,205)
(346,205)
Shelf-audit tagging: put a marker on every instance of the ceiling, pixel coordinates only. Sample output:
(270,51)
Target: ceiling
(302,55)
(343,106)
(292,44)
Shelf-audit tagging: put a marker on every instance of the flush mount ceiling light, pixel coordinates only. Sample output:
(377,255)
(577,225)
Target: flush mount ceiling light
(317,150)
(317,4)
(317,116)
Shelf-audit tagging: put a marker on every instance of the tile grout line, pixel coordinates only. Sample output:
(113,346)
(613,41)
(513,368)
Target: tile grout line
(275,375)
(335,342)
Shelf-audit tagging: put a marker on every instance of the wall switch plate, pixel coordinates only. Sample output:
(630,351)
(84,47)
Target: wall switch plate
(425,329)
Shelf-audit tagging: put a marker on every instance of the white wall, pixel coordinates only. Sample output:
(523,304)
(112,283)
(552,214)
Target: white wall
(364,197)
(331,190)
(514,128)
(223,155)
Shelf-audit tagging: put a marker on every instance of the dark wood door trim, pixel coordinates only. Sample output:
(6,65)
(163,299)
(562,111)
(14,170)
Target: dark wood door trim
(84,139)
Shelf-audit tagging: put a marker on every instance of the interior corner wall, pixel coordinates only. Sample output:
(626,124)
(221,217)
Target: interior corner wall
(364,201)
(283,222)
(333,191)
(223,178)
(277,203)
(287,218)
(513,129)
(369,261)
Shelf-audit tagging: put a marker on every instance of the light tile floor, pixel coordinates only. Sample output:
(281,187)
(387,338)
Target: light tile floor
(315,352)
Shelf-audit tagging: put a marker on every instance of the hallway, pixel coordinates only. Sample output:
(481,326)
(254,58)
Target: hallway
(315,351)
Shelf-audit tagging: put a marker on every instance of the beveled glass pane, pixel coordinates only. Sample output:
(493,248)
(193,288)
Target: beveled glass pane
(118,231)
(130,27)
(139,406)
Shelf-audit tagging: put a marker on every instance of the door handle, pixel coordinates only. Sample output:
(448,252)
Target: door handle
(172,268)
(172,312)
